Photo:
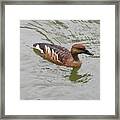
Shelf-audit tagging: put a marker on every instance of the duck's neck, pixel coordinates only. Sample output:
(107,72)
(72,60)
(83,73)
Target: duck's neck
(75,56)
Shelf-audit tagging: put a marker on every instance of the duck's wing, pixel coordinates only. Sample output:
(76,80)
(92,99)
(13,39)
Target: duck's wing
(53,53)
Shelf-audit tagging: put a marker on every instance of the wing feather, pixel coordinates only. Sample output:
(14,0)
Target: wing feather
(54,53)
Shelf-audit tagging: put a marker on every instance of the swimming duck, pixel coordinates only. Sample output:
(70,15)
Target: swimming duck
(60,55)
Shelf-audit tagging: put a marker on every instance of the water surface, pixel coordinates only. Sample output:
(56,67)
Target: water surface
(42,80)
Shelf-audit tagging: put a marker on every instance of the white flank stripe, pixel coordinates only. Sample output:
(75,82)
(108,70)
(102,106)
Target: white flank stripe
(41,51)
(37,47)
(45,48)
(56,56)
(49,52)
(52,53)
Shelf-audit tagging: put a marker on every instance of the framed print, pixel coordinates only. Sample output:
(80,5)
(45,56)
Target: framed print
(59,59)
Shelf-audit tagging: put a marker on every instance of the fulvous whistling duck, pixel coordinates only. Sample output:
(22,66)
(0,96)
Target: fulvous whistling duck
(60,55)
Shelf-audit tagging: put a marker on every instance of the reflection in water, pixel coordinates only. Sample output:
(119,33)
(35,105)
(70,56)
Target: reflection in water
(79,78)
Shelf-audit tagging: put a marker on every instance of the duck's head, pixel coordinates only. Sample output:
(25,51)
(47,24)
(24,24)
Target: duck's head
(79,48)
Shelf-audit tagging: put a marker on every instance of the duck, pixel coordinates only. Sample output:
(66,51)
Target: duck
(60,55)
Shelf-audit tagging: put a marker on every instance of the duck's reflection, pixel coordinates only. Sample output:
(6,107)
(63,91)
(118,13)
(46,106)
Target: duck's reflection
(76,77)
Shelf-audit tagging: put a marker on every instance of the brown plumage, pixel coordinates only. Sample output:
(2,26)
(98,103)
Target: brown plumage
(60,55)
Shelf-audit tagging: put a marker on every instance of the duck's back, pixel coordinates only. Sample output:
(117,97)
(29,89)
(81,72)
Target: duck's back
(53,53)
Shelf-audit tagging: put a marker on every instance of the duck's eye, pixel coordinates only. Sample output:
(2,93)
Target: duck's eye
(82,49)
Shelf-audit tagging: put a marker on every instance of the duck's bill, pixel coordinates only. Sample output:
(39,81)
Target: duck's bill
(87,52)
